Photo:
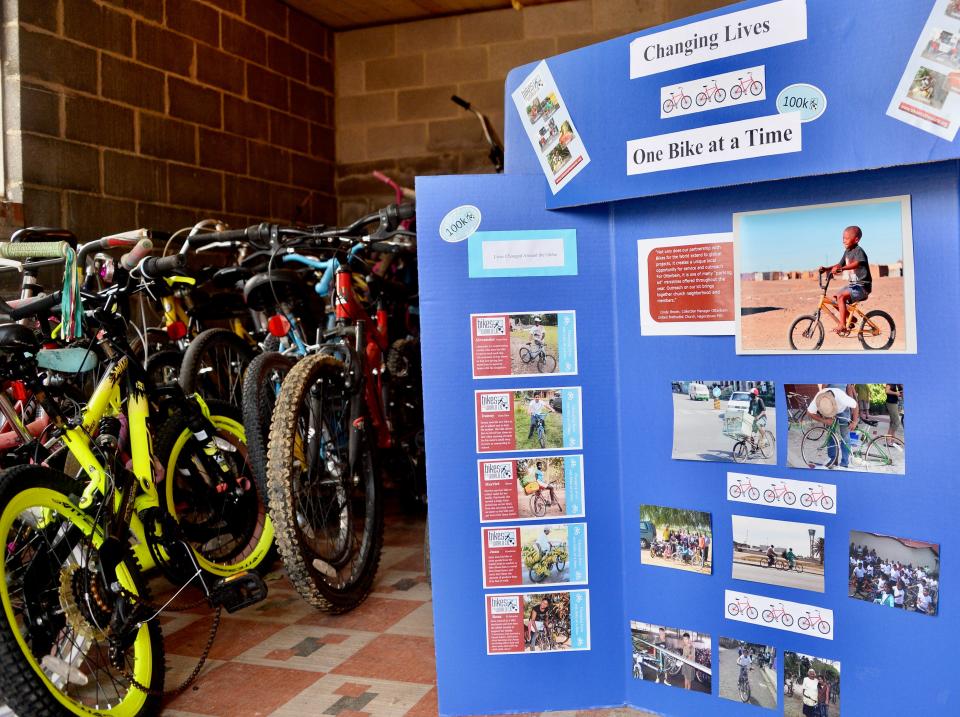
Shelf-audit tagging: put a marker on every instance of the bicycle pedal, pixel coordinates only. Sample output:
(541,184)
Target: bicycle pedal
(238,591)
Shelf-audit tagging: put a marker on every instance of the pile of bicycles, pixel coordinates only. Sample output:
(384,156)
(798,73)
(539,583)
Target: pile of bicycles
(190,408)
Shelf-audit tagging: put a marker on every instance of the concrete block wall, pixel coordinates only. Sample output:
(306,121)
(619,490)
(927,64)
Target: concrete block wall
(159,112)
(393,84)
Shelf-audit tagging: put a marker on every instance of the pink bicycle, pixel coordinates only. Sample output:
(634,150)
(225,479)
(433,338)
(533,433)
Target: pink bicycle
(812,497)
(754,87)
(808,622)
(778,613)
(715,93)
(677,99)
(780,492)
(744,487)
(742,606)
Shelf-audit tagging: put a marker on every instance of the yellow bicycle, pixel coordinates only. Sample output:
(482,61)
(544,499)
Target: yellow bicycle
(875,329)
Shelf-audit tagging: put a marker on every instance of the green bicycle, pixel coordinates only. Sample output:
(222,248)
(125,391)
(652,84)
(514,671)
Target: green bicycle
(823,446)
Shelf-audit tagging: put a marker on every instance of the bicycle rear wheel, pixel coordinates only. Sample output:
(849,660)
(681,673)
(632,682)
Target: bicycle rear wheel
(54,643)
(819,448)
(547,364)
(877,332)
(325,498)
(767,445)
(885,453)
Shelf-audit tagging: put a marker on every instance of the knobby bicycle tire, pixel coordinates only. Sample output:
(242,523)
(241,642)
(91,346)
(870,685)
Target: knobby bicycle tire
(308,570)
(213,365)
(259,398)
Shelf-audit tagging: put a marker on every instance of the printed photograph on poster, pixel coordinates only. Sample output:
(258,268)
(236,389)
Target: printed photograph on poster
(672,656)
(521,344)
(727,421)
(778,552)
(535,555)
(926,96)
(531,488)
(550,127)
(528,419)
(676,538)
(686,285)
(846,426)
(748,672)
(833,278)
(895,572)
(538,622)
(782,493)
(811,686)
(783,615)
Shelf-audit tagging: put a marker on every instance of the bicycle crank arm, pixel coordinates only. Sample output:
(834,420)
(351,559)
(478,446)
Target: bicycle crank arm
(238,591)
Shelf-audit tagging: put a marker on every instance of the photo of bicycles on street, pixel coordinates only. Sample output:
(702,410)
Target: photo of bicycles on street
(546,622)
(846,426)
(833,278)
(727,421)
(676,538)
(538,418)
(895,572)
(811,686)
(671,656)
(748,672)
(778,552)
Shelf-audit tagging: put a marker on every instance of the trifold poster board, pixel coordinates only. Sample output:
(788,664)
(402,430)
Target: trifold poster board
(662,470)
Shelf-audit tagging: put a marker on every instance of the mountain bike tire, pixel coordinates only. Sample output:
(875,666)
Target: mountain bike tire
(213,366)
(261,386)
(315,573)
(25,686)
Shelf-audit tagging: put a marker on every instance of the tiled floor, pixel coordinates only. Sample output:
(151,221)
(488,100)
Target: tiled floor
(285,659)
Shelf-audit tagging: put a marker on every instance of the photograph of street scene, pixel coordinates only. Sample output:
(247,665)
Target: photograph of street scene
(545,556)
(533,343)
(541,487)
(729,421)
(748,672)
(811,686)
(671,656)
(538,418)
(846,426)
(778,552)
(895,572)
(676,538)
(546,621)
(831,277)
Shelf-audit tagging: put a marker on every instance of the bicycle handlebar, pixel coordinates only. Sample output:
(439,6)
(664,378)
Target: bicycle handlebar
(24,309)
(110,242)
(133,257)
(43,249)
(154,266)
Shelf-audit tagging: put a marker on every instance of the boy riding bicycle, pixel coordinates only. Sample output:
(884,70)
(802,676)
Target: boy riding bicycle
(854,260)
(538,410)
(537,334)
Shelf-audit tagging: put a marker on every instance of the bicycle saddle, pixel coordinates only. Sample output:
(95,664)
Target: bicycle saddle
(263,291)
(16,338)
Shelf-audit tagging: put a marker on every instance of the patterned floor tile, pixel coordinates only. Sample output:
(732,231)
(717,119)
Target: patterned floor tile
(426,707)
(307,647)
(248,690)
(403,585)
(234,637)
(340,696)
(401,658)
(419,622)
(376,614)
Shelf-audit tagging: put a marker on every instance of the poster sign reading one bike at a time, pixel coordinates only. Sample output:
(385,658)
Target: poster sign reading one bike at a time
(521,344)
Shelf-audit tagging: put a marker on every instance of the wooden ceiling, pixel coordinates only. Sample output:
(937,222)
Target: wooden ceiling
(351,14)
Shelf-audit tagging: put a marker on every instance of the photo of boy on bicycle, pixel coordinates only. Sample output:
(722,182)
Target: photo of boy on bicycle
(794,295)
(538,419)
(534,343)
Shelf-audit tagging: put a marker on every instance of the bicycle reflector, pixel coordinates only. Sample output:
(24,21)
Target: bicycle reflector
(176,330)
(278,325)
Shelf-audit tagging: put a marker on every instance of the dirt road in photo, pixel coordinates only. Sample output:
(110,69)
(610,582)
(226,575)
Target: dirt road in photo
(769,307)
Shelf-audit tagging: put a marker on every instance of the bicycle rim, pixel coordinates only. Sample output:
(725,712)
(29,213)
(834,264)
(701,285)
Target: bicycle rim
(806,333)
(45,535)
(877,333)
(815,447)
(885,453)
(229,532)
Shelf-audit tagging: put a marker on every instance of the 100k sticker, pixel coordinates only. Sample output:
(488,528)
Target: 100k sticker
(806,99)
(460,223)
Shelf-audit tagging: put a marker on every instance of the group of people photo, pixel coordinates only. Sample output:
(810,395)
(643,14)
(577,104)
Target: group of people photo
(895,572)
(675,538)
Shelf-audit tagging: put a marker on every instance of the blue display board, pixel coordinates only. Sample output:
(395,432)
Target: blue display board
(495,441)
(855,53)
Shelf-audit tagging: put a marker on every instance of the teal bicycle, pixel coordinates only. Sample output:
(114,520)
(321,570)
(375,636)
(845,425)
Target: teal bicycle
(823,446)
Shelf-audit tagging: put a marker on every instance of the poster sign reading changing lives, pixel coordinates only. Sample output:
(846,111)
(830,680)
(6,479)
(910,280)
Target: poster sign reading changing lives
(528,419)
(538,622)
(550,128)
(520,344)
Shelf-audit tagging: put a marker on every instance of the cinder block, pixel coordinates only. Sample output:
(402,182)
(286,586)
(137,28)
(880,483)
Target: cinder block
(126,175)
(424,35)
(366,44)
(98,122)
(289,131)
(220,150)
(195,187)
(269,162)
(269,15)
(51,59)
(308,103)
(372,108)
(396,140)
(394,72)
(429,103)
(194,19)
(131,82)
(194,103)
(164,49)
(167,138)
(286,59)
(245,118)
(97,25)
(483,28)
(220,69)
(554,19)
(39,110)
(243,40)
(469,63)
(60,164)
(91,216)
(267,87)
(505,56)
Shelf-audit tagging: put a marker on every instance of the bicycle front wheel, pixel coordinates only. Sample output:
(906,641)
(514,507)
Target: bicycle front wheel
(806,333)
(213,366)
(819,448)
(767,445)
(325,497)
(261,386)
(878,332)
(740,451)
(885,453)
(54,641)
(525,354)
(547,364)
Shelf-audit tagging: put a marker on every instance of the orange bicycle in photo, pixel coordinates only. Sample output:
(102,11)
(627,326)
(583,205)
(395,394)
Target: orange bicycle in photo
(875,329)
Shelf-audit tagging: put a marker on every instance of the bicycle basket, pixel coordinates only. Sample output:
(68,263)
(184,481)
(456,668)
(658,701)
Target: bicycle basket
(737,424)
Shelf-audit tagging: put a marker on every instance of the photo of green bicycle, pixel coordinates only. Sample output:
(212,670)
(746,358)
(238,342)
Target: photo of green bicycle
(846,426)
(779,552)
(538,418)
